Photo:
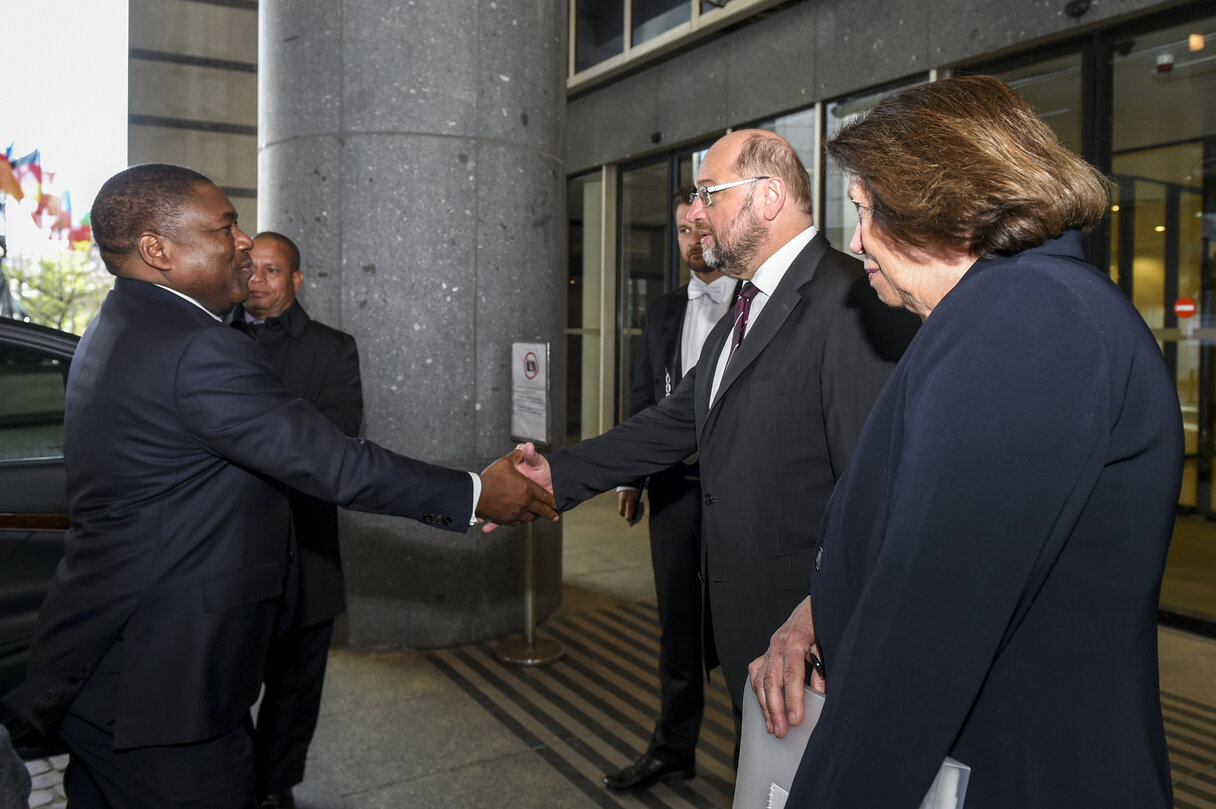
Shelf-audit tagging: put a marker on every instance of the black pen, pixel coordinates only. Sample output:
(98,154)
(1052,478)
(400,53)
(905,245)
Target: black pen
(818,664)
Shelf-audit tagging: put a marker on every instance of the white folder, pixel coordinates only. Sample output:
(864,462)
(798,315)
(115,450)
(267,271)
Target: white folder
(767,764)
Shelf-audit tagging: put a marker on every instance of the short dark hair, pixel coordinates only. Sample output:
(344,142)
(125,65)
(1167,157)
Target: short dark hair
(966,162)
(766,153)
(147,197)
(682,196)
(293,252)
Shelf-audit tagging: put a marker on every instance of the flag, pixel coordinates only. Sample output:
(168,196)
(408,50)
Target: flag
(9,184)
(81,234)
(63,217)
(46,215)
(28,171)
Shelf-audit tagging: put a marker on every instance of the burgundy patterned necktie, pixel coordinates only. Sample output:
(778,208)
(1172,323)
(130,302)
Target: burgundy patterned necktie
(743,307)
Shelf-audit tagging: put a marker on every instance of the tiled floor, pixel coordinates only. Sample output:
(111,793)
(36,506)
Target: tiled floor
(456,727)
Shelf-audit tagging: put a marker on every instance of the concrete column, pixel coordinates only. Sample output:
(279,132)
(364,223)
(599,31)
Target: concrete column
(414,151)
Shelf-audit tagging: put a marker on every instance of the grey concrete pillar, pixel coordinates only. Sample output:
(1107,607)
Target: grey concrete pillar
(414,151)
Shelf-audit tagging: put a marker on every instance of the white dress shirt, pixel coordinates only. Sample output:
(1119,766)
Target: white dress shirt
(706,305)
(766,279)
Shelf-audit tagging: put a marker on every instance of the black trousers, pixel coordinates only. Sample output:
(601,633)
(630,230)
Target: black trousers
(675,550)
(215,773)
(287,716)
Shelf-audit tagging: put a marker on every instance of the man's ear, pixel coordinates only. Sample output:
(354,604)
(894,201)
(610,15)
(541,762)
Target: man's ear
(774,197)
(297,278)
(153,251)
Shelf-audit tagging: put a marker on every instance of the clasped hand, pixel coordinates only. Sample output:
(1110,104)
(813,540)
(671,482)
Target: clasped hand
(515,489)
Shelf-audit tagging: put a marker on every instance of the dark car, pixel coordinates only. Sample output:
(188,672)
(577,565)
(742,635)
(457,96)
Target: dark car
(34,364)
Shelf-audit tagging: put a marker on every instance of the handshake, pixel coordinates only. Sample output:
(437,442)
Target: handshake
(515,489)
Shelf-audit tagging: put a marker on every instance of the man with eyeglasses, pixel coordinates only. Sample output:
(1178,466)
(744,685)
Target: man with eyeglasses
(774,404)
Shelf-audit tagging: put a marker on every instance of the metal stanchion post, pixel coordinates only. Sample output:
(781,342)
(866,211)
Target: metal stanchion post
(529,650)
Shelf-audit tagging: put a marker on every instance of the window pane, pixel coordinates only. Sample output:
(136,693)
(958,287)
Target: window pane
(31,404)
(653,17)
(1053,88)
(645,194)
(584,197)
(1164,162)
(599,31)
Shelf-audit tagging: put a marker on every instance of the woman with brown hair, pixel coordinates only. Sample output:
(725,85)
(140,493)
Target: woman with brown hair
(991,560)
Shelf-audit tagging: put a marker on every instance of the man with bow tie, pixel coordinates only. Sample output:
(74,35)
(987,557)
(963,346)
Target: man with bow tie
(676,327)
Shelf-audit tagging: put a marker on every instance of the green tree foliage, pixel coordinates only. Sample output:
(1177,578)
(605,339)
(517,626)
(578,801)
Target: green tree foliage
(64,291)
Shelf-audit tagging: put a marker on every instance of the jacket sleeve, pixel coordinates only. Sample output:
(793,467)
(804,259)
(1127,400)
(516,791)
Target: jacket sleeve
(231,400)
(641,393)
(656,438)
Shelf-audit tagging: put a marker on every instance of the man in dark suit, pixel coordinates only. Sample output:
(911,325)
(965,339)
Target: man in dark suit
(320,365)
(775,422)
(178,440)
(676,327)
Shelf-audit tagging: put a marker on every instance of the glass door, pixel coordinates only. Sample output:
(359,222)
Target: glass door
(584,297)
(650,262)
(1162,238)
(645,215)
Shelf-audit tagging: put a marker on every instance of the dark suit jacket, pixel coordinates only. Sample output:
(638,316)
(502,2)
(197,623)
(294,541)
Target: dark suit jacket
(771,447)
(176,435)
(1032,425)
(658,369)
(673,492)
(319,364)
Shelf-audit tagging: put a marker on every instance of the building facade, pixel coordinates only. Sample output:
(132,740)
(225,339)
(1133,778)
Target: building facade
(1128,84)
(650,84)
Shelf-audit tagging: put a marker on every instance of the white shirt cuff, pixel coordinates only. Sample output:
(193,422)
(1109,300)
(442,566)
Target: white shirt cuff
(476,496)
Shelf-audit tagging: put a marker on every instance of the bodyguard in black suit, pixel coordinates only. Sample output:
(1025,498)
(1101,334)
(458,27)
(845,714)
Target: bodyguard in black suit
(319,364)
(774,426)
(178,440)
(676,328)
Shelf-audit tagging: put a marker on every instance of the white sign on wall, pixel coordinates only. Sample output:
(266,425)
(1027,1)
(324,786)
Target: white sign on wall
(530,392)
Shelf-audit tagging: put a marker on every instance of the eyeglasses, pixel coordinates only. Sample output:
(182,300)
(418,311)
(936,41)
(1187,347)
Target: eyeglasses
(703,192)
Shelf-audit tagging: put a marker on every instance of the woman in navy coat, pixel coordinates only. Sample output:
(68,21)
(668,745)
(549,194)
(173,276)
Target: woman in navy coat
(991,560)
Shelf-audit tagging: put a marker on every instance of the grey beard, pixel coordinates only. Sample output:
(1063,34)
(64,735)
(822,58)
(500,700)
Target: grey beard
(732,257)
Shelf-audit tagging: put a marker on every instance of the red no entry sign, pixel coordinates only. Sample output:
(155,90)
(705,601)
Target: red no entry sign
(1184,307)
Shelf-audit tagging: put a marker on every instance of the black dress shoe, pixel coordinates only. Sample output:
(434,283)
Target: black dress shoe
(278,800)
(645,773)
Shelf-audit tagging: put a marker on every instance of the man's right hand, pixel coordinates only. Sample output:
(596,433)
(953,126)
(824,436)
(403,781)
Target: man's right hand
(534,466)
(627,503)
(509,496)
